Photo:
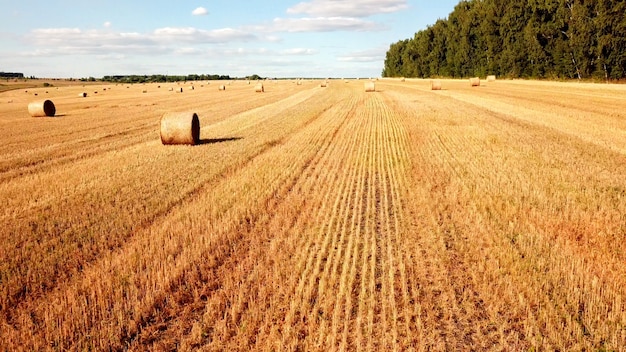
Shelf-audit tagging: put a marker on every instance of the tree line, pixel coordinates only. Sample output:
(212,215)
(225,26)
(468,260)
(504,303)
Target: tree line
(162,78)
(11,75)
(555,39)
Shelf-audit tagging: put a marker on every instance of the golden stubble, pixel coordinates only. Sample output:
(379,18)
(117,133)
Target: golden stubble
(483,218)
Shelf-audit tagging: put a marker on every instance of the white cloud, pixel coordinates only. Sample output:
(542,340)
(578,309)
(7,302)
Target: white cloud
(321,24)
(372,55)
(199,36)
(200,11)
(56,31)
(272,39)
(299,51)
(77,41)
(188,51)
(107,24)
(354,8)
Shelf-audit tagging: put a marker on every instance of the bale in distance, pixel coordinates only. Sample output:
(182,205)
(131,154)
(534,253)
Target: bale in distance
(222,87)
(491,78)
(435,84)
(259,88)
(42,108)
(475,82)
(323,85)
(180,128)
(83,95)
(370,86)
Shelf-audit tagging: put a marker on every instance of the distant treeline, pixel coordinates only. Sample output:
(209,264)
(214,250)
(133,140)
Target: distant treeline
(162,78)
(11,75)
(518,38)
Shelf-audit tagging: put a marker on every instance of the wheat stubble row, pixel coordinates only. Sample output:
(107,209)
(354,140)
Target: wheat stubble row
(57,222)
(341,220)
(539,214)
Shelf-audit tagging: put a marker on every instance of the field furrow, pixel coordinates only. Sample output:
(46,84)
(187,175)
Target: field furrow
(310,218)
(37,271)
(499,212)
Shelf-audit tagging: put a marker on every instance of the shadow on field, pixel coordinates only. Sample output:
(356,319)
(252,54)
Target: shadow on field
(218,140)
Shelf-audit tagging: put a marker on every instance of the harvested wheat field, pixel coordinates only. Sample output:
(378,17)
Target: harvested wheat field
(486,218)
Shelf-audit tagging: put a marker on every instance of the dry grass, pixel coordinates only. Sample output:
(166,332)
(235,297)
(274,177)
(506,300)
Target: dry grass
(318,219)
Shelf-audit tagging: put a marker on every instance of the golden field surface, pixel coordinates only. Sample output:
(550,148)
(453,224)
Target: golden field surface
(310,218)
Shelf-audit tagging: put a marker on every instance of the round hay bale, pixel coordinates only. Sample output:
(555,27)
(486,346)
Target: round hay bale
(259,88)
(180,128)
(83,95)
(491,78)
(323,85)
(222,87)
(42,108)
(171,89)
(475,82)
(435,84)
(370,86)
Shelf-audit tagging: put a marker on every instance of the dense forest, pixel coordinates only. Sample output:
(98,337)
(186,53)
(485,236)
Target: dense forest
(557,39)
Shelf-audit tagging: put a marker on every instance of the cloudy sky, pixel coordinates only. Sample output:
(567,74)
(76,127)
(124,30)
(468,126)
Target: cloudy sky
(271,38)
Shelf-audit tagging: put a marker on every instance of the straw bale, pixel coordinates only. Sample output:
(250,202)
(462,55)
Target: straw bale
(180,128)
(42,108)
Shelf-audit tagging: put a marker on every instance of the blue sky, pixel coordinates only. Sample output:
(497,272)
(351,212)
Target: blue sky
(281,38)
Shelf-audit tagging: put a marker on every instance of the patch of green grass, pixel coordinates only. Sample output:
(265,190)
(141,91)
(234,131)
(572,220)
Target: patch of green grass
(8,87)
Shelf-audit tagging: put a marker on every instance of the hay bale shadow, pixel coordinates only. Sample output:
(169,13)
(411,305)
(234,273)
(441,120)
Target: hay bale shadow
(218,140)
